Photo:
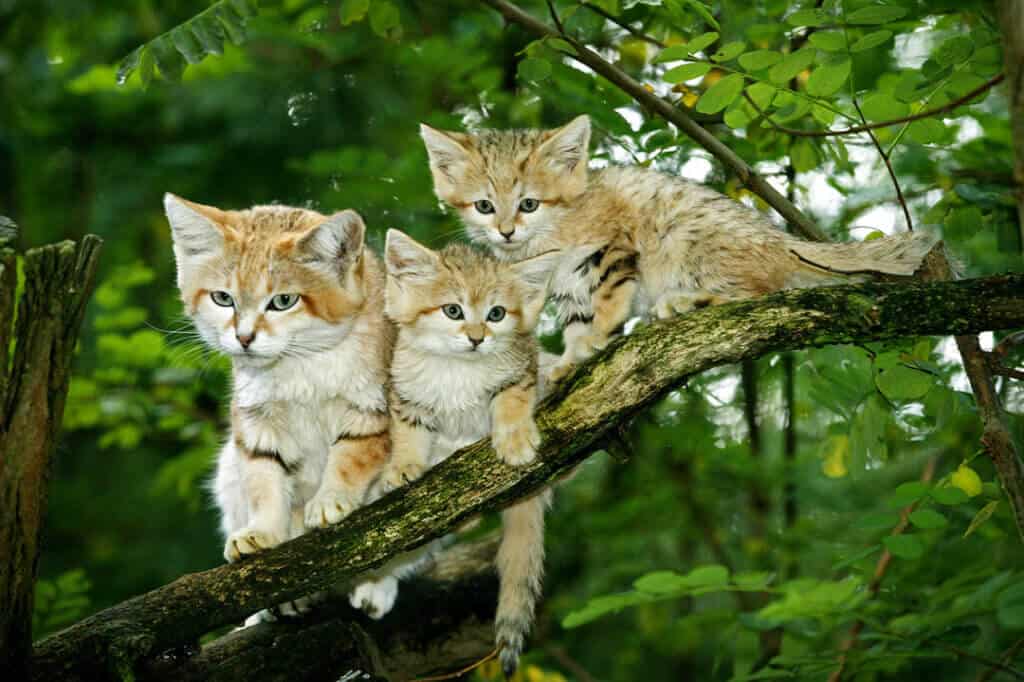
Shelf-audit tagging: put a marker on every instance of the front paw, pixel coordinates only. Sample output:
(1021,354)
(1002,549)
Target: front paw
(249,541)
(398,474)
(329,507)
(516,444)
(560,371)
(375,597)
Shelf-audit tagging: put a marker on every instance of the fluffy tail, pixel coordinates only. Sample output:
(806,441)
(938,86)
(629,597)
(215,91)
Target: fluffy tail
(520,569)
(898,254)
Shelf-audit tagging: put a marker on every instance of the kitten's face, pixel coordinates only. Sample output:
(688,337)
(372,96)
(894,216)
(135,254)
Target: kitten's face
(508,186)
(458,302)
(269,282)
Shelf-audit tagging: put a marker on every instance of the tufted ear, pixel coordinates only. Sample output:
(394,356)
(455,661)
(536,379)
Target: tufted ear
(336,242)
(449,154)
(405,257)
(567,148)
(197,230)
(533,275)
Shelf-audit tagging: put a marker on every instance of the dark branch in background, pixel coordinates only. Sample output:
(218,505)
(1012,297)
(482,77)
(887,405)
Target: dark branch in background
(671,113)
(632,374)
(1011,23)
(888,167)
(1009,657)
(640,35)
(945,108)
(880,570)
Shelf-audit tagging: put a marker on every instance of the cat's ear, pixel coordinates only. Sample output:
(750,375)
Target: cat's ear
(533,275)
(405,257)
(566,149)
(449,154)
(336,242)
(197,230)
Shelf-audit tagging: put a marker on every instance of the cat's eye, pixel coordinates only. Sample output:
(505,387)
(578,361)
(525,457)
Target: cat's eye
(484,206)
(452,310)
(222,298)
(496,314)
(529,205)
(283,301)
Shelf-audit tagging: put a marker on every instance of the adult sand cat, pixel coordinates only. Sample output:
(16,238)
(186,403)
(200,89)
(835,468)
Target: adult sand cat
(634,239)
(297,302)
(465,368)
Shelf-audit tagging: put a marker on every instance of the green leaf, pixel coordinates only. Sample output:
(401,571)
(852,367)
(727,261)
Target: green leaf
(686,72)
(677,52)
(927,131)
(905,546)
(908,493)
(876,14)
(187,44)
(883,106)
(700,9)
(963,222)
(729,51)
(809,17)
(804,155)
(954,51)
(927,519)
(600,606)
(752,580)
(791,65)
(760,59)
(827,79)
(903,383)
(830,41)
(660,582)
(871,40)
(878,521)
(701,42)
(534,69)
(721,94)
(1010,607)
(983,515)
(352,11)
(712,575)
(385,18)
(950,496)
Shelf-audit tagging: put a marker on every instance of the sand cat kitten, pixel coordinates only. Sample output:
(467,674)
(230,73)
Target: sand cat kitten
(632,237)
(465,368)
(297,301)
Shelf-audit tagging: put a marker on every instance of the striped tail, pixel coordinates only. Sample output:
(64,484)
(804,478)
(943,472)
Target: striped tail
(520,569)
(898,254)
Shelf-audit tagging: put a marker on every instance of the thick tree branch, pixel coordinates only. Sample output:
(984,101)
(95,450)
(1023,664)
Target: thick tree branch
(583,410)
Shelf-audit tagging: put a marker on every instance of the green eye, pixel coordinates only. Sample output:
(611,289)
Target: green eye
(496,314)
(452,310)
(283,301)
(529,205)
(484,206)
(222,298)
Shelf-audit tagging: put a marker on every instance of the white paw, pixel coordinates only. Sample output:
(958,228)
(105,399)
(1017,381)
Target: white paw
(516,444)
(397,474)
(329,507)
(375,597)
(249,541)
(264,616)
(300,606)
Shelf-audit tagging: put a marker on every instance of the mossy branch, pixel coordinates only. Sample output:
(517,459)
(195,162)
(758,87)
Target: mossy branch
(582,412)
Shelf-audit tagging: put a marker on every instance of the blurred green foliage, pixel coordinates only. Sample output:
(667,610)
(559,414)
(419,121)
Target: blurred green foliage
(675,565)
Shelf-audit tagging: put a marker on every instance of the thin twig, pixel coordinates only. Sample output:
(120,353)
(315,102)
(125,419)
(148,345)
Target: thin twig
(554,17)
(1007,658)
(880,570)
(460,672)
(888,166)
(945,108)
(569,663)
(622,24)
(1008,372)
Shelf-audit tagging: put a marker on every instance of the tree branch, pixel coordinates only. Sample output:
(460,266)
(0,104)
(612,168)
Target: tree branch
(630,375)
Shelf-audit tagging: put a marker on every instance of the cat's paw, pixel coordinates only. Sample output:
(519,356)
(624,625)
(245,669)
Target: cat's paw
(673,303)
(329,506)
(375,598)
(249,541)
(516,443)
(264,616)
(397,474)
(560,371)
(298,607)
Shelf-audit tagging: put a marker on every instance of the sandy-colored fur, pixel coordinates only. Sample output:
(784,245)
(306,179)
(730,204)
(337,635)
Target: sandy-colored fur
(446,393)
(634,239)
(309,414)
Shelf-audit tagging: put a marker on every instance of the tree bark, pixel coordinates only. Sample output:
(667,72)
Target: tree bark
(43,326)
(1011,21)
(583,410)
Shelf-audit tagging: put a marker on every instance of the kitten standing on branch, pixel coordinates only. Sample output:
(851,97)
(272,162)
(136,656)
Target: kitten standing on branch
(297,302)
(634,239)
(465,368)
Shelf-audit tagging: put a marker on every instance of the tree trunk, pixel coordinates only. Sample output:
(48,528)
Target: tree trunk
(1011,21)
(58,280)
(583,411)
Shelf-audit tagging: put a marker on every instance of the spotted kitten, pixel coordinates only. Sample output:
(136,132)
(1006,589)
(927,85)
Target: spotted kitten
(465,368)
(633,238)
(297,302)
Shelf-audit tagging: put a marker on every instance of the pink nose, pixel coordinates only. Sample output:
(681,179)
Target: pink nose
(245,340)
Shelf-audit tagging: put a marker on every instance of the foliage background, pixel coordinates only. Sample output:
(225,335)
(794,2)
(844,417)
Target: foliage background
(320,107)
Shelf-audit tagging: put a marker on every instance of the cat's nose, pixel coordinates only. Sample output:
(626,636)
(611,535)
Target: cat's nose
(245,340)
(474,340)
(508,235)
